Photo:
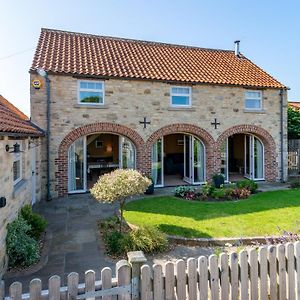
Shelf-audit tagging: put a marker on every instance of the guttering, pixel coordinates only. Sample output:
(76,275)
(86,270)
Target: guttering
(281,93)
(49,198)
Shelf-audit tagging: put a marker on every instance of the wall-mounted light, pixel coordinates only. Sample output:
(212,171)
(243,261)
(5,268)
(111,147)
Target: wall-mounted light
(15,148)
(109,148)
(2,201)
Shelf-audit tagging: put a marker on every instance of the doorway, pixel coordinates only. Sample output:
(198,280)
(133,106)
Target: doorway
(93,155)
(178,159)
(242,156)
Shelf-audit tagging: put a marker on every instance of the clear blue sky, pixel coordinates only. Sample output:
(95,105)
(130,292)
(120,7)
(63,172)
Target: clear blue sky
(269,31)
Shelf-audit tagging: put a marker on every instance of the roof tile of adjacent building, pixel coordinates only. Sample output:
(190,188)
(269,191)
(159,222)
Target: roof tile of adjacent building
(102,56)
(295,105)
(13,121)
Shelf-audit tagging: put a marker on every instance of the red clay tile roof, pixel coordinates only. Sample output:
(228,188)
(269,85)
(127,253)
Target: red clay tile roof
(295,105)
(92,55)
(12,120)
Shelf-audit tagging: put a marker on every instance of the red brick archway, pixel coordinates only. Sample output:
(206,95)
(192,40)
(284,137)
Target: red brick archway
(62,160)
(271,165)
(202,134)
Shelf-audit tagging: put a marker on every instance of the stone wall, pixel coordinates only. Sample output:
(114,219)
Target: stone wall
(19,194)
(128,101)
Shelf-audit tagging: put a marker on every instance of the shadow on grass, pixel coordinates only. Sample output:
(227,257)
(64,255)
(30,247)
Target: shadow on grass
(261,202)
(182,231)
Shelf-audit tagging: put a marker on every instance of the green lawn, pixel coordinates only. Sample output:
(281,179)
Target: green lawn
(259,215)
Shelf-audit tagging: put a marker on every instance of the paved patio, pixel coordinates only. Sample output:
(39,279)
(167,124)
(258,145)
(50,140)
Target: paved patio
(74,242)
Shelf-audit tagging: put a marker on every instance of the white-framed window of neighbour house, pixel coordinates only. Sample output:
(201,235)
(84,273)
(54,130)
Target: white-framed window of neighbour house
(17,168)
(90,92)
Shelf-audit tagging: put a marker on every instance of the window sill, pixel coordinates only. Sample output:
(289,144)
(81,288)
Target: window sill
(184,108)
(260,111)
(90,106)
(20,186)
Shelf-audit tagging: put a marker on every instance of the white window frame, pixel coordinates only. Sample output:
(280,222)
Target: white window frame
(90,90)
(17,157)
(254,98)
(175,94)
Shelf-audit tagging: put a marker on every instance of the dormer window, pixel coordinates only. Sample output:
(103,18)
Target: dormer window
(90,92)
(181,96)
(253,100)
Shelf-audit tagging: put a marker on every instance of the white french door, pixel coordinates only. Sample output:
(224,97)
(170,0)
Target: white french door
(157,154)
(254,158)
(194,160)
(77,166)
(224,160)
(126,153)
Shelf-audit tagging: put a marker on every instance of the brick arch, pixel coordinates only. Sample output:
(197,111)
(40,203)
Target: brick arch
(62,159)
(199,132)
(271,164)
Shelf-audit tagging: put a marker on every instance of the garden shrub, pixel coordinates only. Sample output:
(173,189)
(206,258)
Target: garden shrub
(295,183)
(147,239)
(36,221)
(207,190)
(218,193)
(251,185)
(22,249)
(241,193)
(181,191)
(115,242)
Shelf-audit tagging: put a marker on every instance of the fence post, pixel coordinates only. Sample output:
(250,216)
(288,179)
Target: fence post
(2,289)
(136,260)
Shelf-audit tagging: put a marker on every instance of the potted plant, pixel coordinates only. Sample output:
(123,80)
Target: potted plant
(150,189)
(218,180)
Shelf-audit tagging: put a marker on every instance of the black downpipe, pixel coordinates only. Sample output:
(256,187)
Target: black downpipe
(281,137)
(49,198)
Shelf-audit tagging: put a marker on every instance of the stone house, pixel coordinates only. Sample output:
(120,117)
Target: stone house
(19,167)
(177,113)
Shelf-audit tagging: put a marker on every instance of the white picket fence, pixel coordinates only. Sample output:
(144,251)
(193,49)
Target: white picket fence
(271,272)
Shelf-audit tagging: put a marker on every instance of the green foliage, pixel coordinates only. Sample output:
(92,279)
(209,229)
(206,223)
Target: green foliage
(293,123)
(36,221)
(207,189)
(247,184)
(295,183)
(181,191)
(218,193)
(22,250)
(241,193)
(147,239)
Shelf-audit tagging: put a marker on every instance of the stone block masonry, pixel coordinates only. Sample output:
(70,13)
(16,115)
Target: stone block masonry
(127,102)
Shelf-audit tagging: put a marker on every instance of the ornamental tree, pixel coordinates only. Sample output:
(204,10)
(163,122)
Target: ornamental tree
(293,123)
(118,186)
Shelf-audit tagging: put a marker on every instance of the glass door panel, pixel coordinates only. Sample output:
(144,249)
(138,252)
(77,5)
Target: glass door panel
(77,166)
(127,153)
(258,159)
(248,154)
(224,160)
(187,159)
(157,162)
(198,161)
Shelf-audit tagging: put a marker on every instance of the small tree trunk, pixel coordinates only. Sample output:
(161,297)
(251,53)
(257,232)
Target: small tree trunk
(122,204)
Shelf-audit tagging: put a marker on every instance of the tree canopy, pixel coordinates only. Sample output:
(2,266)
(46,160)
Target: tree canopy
(293,123)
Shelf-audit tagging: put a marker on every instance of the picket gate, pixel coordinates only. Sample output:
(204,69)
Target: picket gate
(269,272)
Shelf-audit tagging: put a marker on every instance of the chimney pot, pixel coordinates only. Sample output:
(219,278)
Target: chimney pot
(237,48)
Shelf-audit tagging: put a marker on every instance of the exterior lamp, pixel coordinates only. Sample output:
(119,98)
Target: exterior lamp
(15,148)
(44,74)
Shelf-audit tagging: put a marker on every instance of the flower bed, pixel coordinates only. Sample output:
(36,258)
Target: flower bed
(231,191)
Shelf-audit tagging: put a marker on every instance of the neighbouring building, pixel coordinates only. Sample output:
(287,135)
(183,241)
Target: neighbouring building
(20,180)
(179,113)
(294,104)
